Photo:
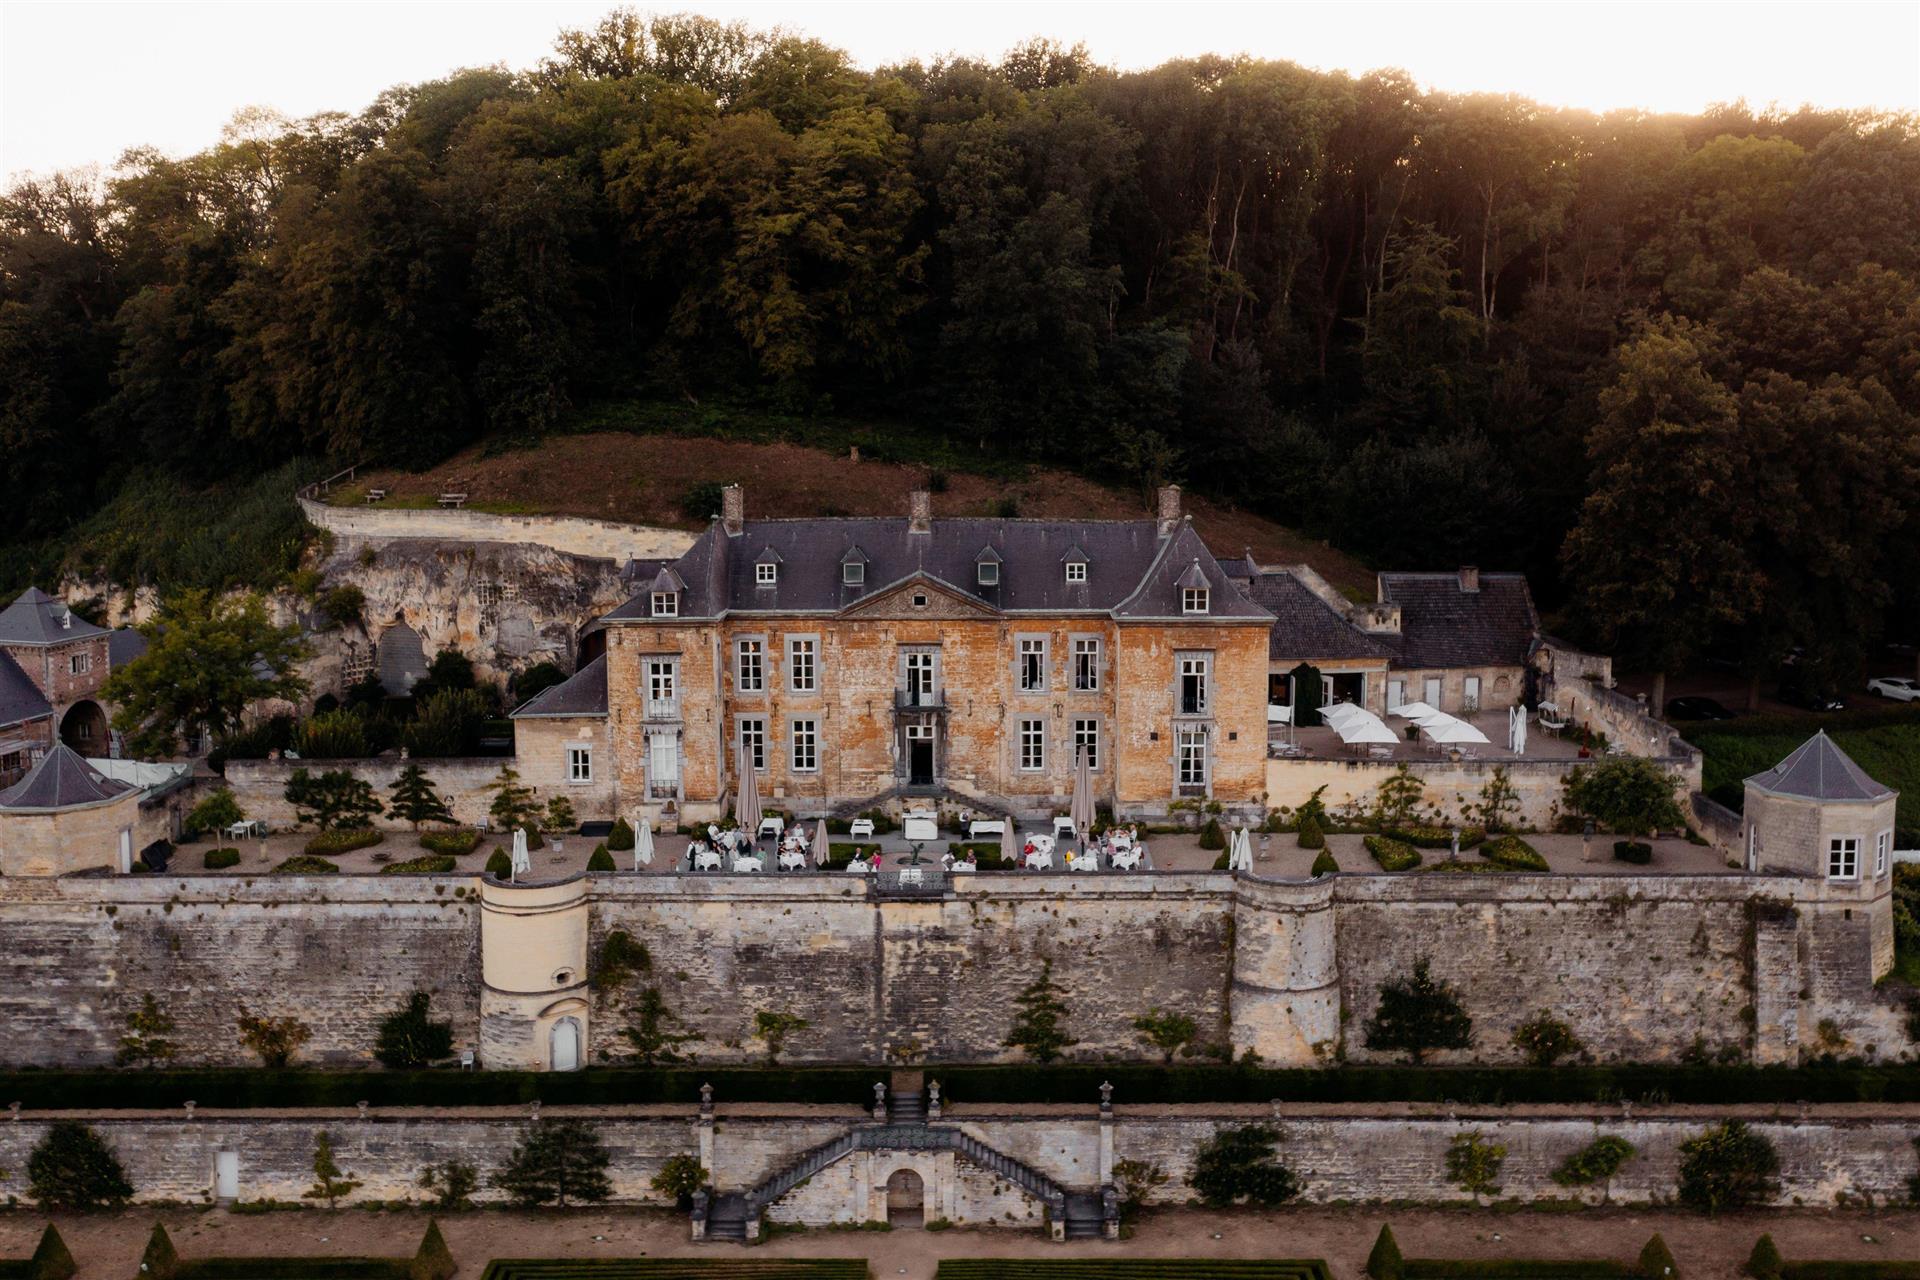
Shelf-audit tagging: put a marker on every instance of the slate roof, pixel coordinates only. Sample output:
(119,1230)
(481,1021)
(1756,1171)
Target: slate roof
(36,618)
(20,698)
(584,693)
(123,646)
(1307,627)
(1131,570)
(62,780)
(1443,626)
(1819,770)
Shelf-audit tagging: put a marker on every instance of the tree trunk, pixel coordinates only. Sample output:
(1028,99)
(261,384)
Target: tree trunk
(1753,691)
(1659,692)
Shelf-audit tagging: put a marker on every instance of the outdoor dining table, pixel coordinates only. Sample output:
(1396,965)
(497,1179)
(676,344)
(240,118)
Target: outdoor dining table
(792,860)
(1127,859)
(706,860)
(1040,860)
(860,828)
(741,862)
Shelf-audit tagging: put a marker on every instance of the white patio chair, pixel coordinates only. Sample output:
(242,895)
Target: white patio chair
(861,829)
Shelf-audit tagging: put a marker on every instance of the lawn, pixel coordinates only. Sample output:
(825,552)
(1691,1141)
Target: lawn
(715,1268)
(1130,1269)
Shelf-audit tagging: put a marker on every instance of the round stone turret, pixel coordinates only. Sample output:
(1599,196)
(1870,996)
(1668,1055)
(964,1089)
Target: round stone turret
(533,960)
(1285,1002)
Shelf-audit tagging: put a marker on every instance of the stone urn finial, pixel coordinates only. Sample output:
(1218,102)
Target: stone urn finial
(706,1099)
(361,1107)
(1106,1095)
(879,1099)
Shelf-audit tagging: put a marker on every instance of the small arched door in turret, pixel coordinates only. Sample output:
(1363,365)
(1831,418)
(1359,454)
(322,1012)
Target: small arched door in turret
(565,1054)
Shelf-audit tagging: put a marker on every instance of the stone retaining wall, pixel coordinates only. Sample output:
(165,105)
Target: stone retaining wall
(466,783)
(601,539)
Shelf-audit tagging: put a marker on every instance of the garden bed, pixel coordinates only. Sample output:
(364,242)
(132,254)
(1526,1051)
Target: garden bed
(729,1268)
(1131,1269)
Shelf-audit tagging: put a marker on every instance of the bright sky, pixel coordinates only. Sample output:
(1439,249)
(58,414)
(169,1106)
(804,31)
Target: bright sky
(83,80)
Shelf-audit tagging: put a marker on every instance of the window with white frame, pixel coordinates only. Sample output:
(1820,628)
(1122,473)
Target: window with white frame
(1086,737)
(1843,858)
(1193,684)
(1470,694)
(805,746)
(80,663)
(1193,599)
(920,677)
(1086,664)
(750,669)
(663,765)
(1033,745)
(579,764)
(766,574)
(753,742)
(1882,847)
(663,686)
(988,573)
(666,604)
(803,671)
(1190,760)
(853,573)
(1033,664)
(1076,571)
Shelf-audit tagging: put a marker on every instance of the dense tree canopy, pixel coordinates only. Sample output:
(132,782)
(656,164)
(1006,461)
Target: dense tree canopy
(1665,364)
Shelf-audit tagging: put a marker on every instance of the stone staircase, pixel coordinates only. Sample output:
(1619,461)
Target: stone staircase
(735,1215)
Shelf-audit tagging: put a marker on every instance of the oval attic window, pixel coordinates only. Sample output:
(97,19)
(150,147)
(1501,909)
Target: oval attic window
(563,978)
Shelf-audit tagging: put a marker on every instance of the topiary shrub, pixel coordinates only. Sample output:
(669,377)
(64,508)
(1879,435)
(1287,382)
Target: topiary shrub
(432,864)
(453,843)
(534,838)
(1633,851)
(221,859)
(1418,1014)
(620,839)
(160,1261)
(600,859)
(1220,863)
(1311,836)
(499,864)
(433,1260)
(1765,1262)
(1324,865)
(72,1167)
(1656,1260)
(333,843)
(51,1259)
(302,864)
(1512,851)
(1211,837)
(1393,855)
(1385,1262)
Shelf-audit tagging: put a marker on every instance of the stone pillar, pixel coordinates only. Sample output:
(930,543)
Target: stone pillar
(1285,1000)
(1106,1134)
(700,1214)
(706,1128)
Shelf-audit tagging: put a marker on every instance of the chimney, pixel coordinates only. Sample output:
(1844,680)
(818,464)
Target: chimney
(1469,577)
(920,511)
(733,510)
(1170,513)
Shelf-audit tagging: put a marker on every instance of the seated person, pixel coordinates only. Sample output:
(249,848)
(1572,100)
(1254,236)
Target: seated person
(966,864)
(858,866)
(947,860)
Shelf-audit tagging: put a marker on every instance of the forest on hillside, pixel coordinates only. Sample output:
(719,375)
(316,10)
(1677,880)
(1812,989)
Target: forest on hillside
(1669,366)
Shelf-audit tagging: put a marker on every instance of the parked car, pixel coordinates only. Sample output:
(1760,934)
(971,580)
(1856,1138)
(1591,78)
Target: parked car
(1899,688)
(1696,708)
(1811,700)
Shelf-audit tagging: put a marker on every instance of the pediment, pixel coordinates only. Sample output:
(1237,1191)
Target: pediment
(896,602)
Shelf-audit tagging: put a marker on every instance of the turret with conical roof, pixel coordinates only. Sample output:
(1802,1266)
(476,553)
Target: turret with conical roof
(66,816)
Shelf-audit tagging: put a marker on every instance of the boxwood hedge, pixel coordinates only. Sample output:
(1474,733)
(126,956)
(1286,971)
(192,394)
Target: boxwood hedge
(1393,855)
(1433,837)
(333,842)
(221,859)
(456,843)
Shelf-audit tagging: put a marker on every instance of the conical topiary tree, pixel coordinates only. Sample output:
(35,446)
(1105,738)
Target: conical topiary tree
(499,865)
(620,839)
(1211,837)
(433,1261)
(1656,1260)
(160,1261)
(51,1261)
(600,859)
(1385,1263)
(1311,836)
(1765,1262)
(1324,865)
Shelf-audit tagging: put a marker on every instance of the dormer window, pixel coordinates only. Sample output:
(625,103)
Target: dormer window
(1193,599)
(666,604)
(988,573)
(766,574)
(1076,571)
(853,573)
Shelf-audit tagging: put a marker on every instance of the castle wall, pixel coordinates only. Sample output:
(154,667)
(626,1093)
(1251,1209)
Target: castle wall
(260,786)
(1364,1154)
(1452,786)
(602,539)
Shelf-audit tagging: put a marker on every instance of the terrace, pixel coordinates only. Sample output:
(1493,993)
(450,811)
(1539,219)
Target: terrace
(1320,742)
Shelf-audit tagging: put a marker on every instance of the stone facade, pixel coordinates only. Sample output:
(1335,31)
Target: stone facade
(57,842)
(545,752)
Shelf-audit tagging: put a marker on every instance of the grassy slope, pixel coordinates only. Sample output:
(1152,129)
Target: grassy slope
(1888,752)
(643,477)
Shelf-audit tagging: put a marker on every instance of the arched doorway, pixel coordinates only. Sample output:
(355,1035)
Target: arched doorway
(565,1049)
(84,728)
(1306,695)
(906,1199)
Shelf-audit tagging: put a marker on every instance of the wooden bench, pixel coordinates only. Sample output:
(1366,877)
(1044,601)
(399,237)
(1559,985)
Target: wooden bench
(453,499)
(375,495)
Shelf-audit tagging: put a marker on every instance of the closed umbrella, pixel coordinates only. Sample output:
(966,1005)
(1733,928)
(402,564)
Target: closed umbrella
(521,861)
(1520,733)
(1009,851)
(748,810)
(1082,811)
(821,849)
(643,843)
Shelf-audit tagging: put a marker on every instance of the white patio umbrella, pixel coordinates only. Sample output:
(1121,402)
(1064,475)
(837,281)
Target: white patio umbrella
(1081,810)
(747,812)
(1447,730)
(1363,726)
(821,847)
(1416,712)
(643,843)
(521,861)
(1244,842)
(1520,732)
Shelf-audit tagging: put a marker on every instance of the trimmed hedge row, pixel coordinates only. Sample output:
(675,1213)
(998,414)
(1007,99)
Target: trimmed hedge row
(721,1268)
(108,1089)
(1385,1263)
(456,843)
(1633,851)
(305,864)
(1129,1268)
(1435,837)
(425,865)
(1391,854)
(1512,851)
(162,1261)
(334,842)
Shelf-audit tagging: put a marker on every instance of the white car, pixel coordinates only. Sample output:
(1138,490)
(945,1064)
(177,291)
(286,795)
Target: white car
(1899,688)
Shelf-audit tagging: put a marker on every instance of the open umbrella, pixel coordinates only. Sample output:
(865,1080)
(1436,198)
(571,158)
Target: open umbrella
(821,848)
(643,843)
(1415,711)
(521,861)
(747,811)
(1446,729)
(1082,810)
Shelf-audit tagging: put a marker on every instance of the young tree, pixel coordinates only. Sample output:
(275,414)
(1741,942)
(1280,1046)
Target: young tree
(452,1184)
(1397,802)
(1039,1026)
(409,1038)
(1498,799)
(1728,1167)
(556,1162)
(1545,1040)
(334,801)
(329,1181)
(1474,1163)
(274,1040)
(679,1177)
(1595,1163)
(773,1026)
(655,1035)
(559,815)
(146,1040)
(1167,1032)
(1629,794)
(72,1167)
(514,805)
(414,800)
(216,812)
(1417,1015)
(207,659)
(1239,1164)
